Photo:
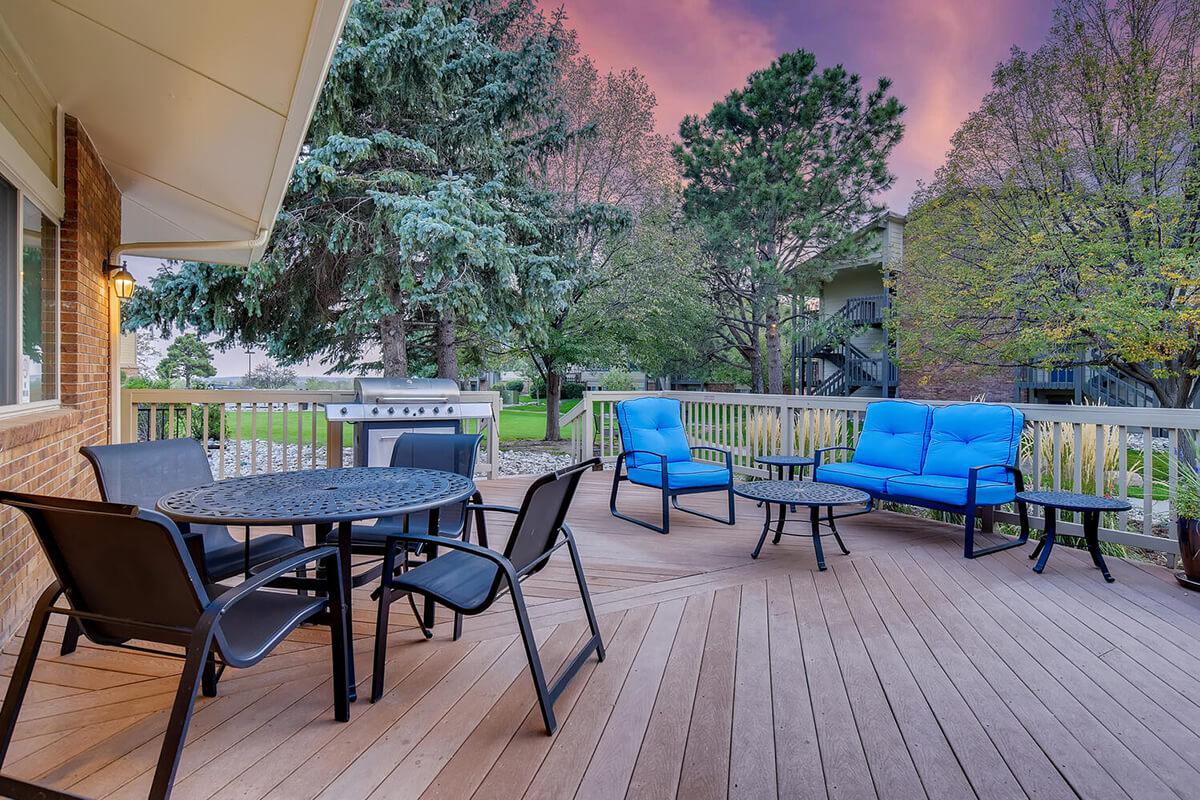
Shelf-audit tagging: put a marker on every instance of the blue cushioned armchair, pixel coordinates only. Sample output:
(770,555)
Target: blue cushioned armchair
(655,453)
(957,458)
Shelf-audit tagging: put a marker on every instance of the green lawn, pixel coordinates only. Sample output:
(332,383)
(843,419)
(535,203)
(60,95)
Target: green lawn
(527,421)
(304,418)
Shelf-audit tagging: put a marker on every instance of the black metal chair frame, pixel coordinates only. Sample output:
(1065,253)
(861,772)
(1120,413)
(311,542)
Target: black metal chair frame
(508,579)
(198,643)
(670,497)
(970,509)
(382,555)
(195,543)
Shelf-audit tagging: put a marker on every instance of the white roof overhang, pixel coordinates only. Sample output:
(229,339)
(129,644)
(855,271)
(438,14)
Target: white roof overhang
(198,109)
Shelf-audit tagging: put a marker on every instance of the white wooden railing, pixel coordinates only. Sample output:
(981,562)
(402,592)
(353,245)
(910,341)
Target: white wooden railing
(1059,447)
(254,431)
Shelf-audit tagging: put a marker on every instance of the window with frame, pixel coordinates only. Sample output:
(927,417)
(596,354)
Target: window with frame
(29,302)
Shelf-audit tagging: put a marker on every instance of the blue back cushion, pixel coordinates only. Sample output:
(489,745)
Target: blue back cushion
(972,435)
(894,435)
(654,424)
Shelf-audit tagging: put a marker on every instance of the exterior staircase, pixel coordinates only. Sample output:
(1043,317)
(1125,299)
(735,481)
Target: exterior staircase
(1101,385)
(853,368)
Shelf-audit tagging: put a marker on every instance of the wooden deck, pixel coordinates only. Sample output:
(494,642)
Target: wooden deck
(903,671)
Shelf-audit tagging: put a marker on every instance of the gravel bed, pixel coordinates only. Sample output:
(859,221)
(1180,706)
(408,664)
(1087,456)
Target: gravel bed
(532,462)
(512,462)
(1160,444)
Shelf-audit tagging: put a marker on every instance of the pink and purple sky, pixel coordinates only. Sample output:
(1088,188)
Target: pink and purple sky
(938,53)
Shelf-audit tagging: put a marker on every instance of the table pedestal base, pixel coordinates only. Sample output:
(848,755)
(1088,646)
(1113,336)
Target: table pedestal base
(815,521)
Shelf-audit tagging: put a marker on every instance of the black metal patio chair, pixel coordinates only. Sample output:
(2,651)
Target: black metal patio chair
(455,452)
(128,577)
(470,578)
(140,473)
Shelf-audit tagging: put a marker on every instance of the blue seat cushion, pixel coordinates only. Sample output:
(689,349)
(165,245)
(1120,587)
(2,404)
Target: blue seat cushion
(970,435)
(682,475)
(654,424)
(949,491)
(860,476)
(894,435)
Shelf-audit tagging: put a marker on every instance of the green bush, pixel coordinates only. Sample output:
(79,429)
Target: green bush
(572,391)
(618,380)
(515,385)
(537,388)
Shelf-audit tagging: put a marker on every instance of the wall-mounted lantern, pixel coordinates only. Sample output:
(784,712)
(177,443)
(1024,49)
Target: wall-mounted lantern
(122,281)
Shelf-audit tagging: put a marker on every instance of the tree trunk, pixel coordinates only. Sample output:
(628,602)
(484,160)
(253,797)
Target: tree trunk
(774,351)
(393,344)
(554,380)
(446,347)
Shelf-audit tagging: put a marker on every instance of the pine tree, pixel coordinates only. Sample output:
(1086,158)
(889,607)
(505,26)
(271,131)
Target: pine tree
(410,212)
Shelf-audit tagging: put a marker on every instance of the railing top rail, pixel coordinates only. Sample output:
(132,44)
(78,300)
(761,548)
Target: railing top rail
(258,395)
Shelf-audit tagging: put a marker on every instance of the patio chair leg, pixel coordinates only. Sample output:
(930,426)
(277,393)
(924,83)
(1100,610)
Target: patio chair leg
(70,640)
(545,702)
(458,619)
(19,682)
(612,508)
(577,565)
(208,680)
(727,520)
(381,622)
(198,655)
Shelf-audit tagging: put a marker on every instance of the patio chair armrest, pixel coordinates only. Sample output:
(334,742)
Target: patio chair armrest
(723,451)
(454,544)
(660,456)
(264,574)
(973,478)
(819,452)
(493,507)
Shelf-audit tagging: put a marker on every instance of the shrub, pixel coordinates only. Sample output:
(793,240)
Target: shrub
(618,380)
(537,388)
(515,385)
(572,391)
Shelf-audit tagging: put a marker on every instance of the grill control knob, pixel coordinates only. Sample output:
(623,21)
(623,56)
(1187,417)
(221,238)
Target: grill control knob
(449,409)
(344,412)
(435,409)
(421,410)
(375,411)
(391,410)
(406,411)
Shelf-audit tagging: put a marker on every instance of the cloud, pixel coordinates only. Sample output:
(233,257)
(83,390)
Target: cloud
(692,52)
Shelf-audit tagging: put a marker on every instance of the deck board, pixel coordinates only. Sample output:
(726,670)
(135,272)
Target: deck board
(903,671)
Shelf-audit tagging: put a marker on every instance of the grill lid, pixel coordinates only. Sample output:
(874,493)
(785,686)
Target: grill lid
(405,390)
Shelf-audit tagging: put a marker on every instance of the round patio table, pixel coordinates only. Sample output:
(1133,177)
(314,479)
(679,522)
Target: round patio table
(801,493)
(324,498)
(790,463)
(1088,505)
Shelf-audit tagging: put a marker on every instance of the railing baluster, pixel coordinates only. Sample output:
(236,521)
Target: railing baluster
(1147,480)
(1122,470)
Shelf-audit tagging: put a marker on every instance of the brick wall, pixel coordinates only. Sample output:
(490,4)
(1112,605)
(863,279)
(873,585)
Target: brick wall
(40,452)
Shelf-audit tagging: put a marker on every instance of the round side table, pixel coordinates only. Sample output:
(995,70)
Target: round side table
(1090,506)
(790,463)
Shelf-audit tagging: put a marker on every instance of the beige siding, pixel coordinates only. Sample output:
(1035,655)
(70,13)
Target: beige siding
(26,110)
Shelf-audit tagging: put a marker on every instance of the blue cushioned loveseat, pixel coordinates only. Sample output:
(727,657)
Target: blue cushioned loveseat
(655,453)
(958,458)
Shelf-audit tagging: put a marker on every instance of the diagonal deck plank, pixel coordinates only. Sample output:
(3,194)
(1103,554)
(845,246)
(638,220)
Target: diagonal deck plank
(903,671)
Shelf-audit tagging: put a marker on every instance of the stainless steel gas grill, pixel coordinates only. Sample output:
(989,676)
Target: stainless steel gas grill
(384,408)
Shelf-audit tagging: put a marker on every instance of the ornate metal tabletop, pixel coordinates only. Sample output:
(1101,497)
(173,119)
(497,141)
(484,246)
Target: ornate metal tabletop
(785,461)
(1071,501)
(317,496)
(801,493)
